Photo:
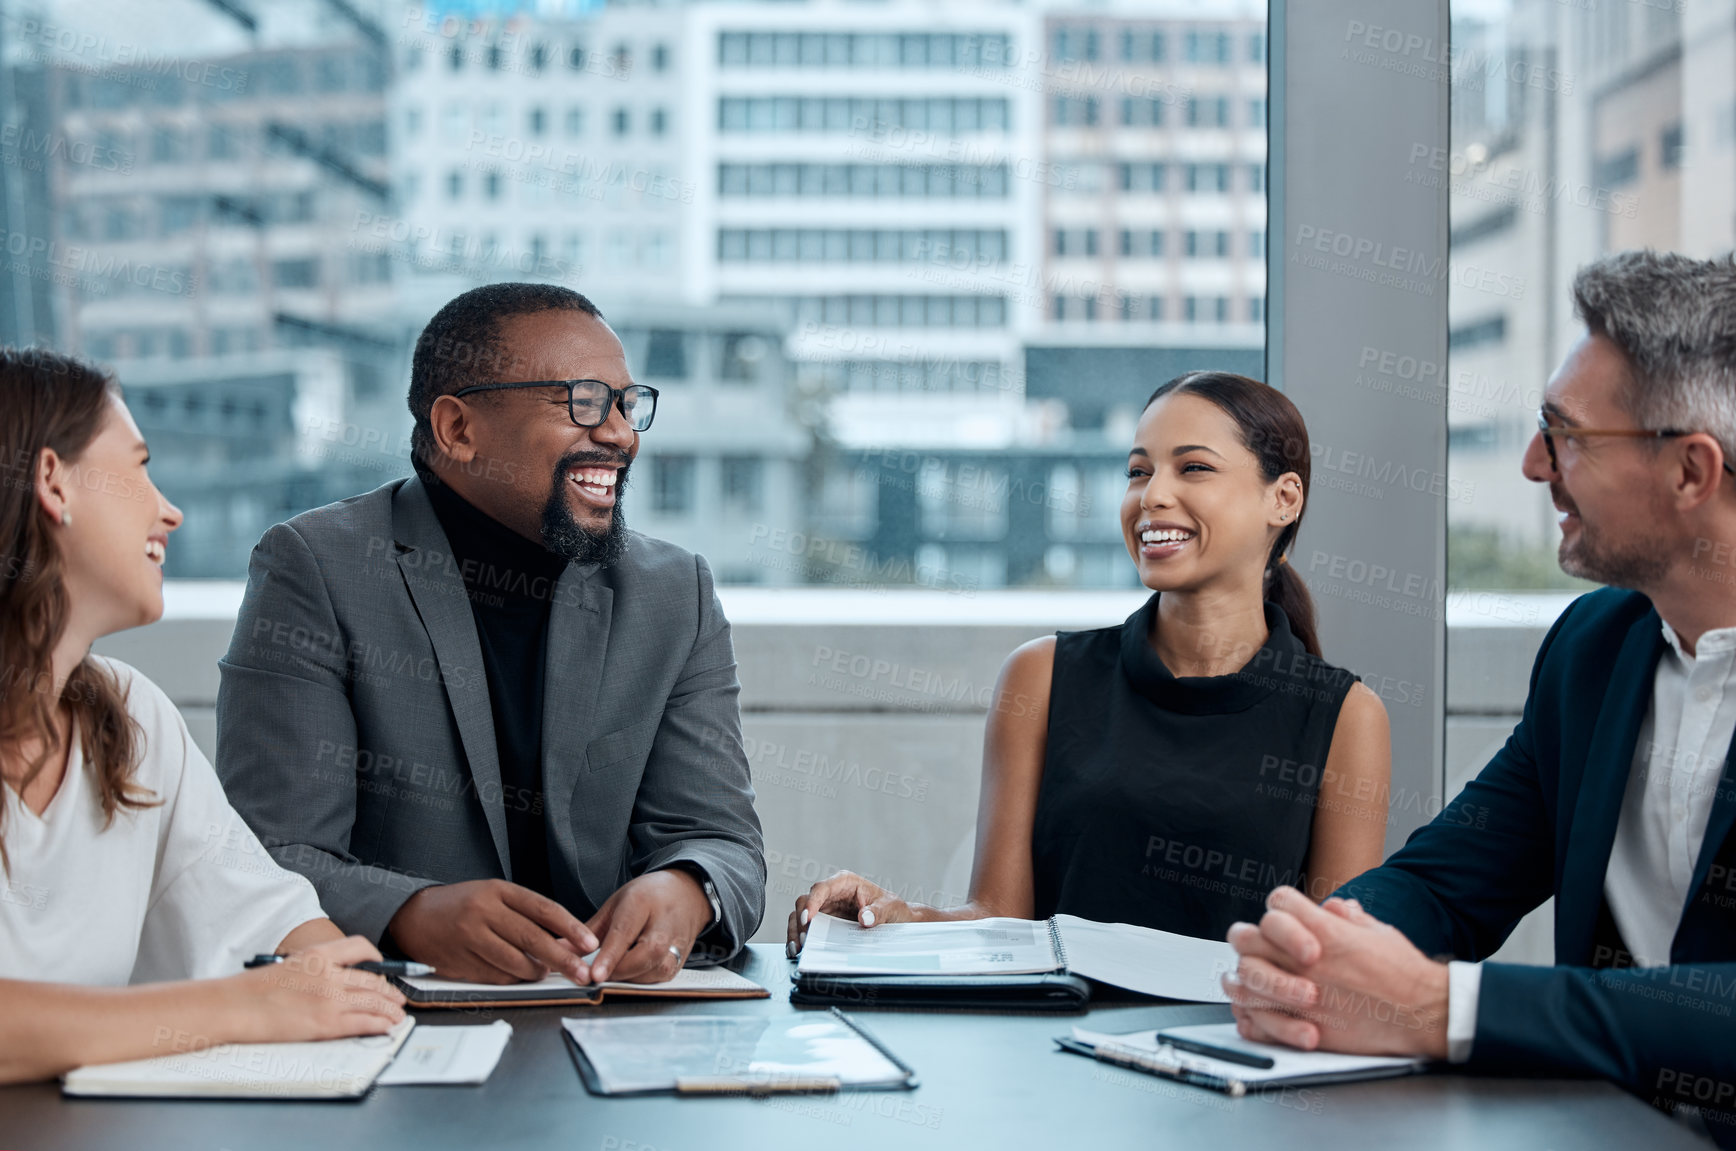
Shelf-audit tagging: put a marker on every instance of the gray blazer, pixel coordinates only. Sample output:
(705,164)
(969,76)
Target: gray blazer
(354,731)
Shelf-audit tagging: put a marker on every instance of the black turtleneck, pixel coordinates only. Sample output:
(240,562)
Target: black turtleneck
(1180,802)
(511,584)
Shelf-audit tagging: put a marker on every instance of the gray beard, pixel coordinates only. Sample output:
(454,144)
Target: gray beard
(1636,566)
(565,536)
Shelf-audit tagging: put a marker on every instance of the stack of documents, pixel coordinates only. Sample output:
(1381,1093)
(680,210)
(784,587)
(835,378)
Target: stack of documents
(1019,963)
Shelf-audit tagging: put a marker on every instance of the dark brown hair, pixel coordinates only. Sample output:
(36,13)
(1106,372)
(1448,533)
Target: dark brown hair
(1273,430)
(52,401)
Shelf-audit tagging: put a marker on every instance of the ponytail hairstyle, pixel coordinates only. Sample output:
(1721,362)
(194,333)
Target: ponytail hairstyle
(52,401)
(1273,430)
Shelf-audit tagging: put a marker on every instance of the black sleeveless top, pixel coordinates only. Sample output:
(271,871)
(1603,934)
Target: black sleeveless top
(1179,803)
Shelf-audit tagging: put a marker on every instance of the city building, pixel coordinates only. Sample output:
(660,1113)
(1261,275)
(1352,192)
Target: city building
(204,213)
(1577,130)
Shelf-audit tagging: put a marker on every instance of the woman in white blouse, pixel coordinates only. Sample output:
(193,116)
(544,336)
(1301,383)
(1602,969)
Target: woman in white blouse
(130,891)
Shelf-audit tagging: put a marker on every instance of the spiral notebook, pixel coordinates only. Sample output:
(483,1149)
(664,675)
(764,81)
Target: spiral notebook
(1020,964)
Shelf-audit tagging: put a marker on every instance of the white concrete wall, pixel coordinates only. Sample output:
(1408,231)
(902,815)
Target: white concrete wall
(863,717)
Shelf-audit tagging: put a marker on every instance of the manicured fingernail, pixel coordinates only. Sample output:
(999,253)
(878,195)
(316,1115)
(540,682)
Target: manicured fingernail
(804,917)
(867,917)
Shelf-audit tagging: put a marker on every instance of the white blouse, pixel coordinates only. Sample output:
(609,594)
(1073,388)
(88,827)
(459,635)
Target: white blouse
(182,890)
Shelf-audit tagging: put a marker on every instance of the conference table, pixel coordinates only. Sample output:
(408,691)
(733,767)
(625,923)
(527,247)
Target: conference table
(987,1080)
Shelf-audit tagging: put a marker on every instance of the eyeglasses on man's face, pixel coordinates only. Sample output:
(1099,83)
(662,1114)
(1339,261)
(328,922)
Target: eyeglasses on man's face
(1552,432)
(589,401)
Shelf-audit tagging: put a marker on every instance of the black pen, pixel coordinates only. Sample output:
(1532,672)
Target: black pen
(1227,1054)
(399,968)
(1156,1064)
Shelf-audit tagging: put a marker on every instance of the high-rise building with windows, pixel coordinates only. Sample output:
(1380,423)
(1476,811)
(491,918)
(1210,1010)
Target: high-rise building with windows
(204,218)
(544,149)
(1154,121)
(1577,131)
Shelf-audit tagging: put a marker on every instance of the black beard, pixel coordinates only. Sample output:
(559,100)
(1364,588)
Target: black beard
(565,536)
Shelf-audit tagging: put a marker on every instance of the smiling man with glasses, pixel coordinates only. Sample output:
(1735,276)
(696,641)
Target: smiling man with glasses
(1615,795)
(492,726)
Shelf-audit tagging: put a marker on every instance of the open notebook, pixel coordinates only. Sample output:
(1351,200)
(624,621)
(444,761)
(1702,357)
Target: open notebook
(1014,963)
(331,1069)
(559,991)
(1150,1052)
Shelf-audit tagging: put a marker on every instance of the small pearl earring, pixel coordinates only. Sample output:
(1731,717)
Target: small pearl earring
(65,519)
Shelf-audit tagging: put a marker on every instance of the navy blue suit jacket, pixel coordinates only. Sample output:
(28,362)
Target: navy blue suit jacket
(1539,821)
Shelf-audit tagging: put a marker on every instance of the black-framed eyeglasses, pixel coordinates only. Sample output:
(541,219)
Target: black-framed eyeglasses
(1551,432)
(589,401)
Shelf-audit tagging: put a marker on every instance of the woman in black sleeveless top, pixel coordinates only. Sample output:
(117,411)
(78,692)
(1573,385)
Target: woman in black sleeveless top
(1172,771)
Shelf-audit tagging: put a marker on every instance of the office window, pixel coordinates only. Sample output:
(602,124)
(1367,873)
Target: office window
(1670,147)
(881,181)
(1208,111)
(536,120)
(742,485)
(659,121)
(1257,112)
(1257,178)
(660,57)
(1478,333)
(491,185)
(455,58)
(1257,310)
(455,184)
(576,57)
(1142,46)
(621,120)
(1142,177)
(1257,244)
(1208,178)
(672,484)
(298,273)
(574,122)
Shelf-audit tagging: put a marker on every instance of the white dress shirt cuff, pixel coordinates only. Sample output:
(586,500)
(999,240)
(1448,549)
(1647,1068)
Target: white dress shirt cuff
(1464,984)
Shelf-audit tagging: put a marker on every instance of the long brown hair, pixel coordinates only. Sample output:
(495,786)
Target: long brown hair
(52,401)
(1273,430)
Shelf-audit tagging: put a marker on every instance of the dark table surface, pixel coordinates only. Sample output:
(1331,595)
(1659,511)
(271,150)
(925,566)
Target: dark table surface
(986,1081)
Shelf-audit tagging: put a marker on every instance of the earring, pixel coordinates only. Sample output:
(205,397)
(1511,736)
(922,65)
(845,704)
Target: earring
(65,518)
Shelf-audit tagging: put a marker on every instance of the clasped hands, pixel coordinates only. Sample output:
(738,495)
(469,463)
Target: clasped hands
(1332,977)
(492,931)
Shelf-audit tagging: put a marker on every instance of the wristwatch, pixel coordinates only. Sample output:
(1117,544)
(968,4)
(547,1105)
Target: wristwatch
(708,887)
(716,903)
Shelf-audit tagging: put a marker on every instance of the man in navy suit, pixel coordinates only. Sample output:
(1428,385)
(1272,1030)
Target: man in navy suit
(1616,794)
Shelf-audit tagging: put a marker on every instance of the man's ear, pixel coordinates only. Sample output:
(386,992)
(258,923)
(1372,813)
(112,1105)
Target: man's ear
(1699,472)
(453,432)
(54,485)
